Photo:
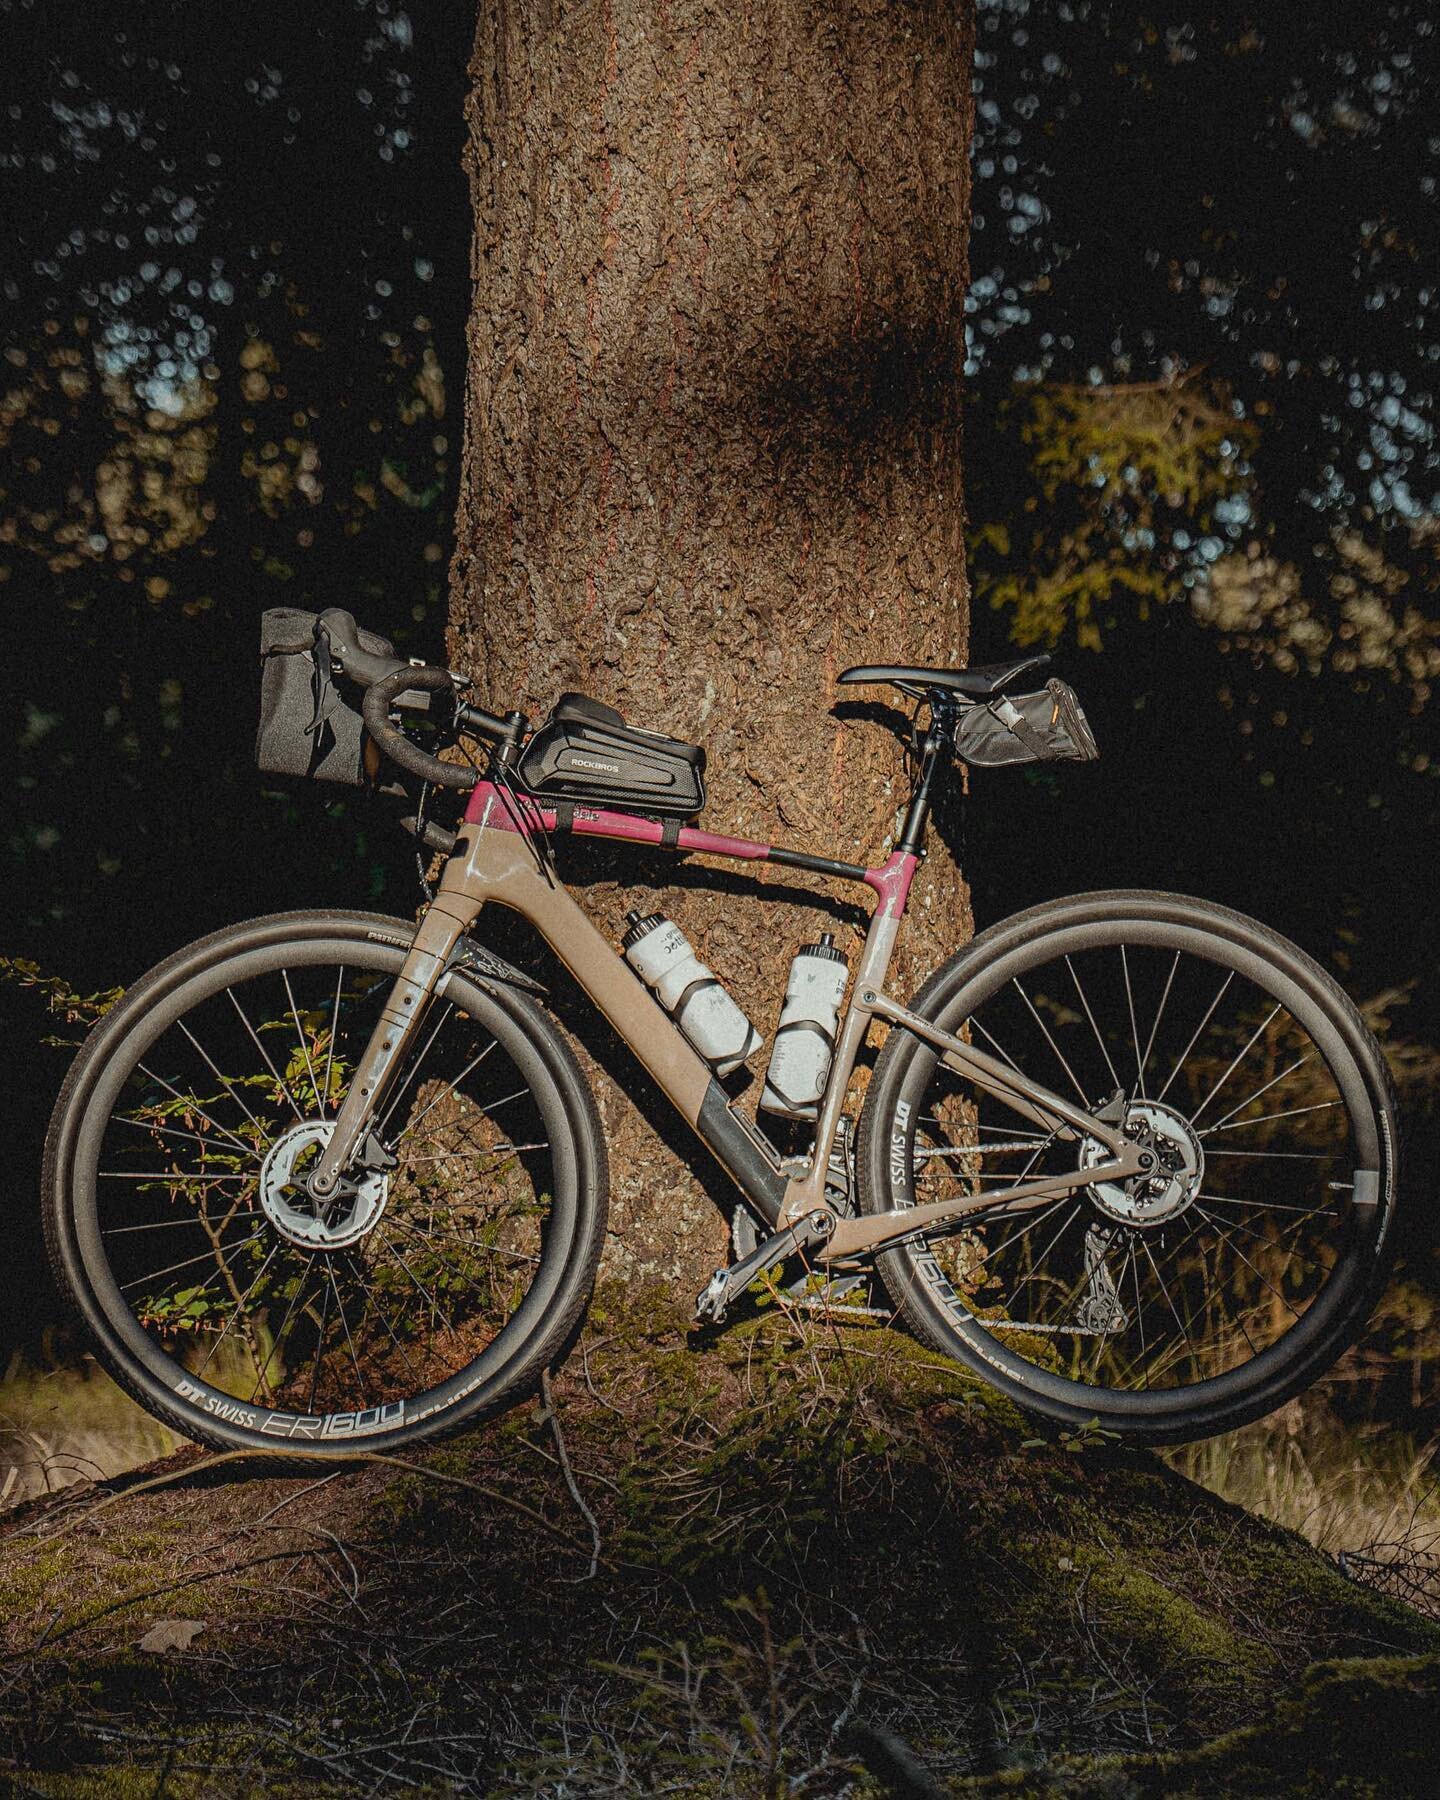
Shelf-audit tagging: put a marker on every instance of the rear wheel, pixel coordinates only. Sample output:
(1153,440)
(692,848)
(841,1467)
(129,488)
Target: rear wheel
(233,1306)
(1182,1304)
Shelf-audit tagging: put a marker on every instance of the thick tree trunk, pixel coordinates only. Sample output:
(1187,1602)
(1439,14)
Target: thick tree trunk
(713,445)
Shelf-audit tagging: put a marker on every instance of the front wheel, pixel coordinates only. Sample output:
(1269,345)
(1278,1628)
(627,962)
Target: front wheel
(243,1313)
(1206,1294)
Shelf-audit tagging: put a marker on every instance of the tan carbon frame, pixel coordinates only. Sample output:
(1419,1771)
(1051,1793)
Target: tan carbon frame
(493,863)
(497,865)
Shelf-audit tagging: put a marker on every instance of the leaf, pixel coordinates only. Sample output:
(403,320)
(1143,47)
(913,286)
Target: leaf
(171,1634)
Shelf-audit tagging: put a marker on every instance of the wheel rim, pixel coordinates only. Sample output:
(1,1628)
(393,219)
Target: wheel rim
(423,1281)
(1252,1242)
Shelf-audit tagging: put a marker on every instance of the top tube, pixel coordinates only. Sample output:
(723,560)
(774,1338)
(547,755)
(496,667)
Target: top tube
(496,811)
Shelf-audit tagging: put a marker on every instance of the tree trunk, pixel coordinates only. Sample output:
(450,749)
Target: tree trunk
(713,451)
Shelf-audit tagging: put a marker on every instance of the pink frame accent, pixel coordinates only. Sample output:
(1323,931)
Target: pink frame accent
(489,806)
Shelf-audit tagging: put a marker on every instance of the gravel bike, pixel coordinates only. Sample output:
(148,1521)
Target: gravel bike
(326,1177)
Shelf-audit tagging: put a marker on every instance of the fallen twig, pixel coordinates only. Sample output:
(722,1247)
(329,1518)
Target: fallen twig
(569,1474)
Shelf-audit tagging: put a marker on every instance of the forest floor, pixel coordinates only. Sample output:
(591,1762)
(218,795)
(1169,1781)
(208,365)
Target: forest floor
(792,1558)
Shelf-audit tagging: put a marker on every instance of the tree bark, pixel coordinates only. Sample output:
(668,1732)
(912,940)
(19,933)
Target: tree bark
(712,450)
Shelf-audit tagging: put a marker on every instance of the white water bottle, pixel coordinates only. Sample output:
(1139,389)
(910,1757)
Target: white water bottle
(805,1037)
(660,954)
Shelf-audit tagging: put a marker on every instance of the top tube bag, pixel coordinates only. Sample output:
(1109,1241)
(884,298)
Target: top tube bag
(585,751)
(1044,727)
(307,725)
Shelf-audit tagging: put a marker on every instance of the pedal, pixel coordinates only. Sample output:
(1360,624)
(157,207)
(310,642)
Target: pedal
(726,1284)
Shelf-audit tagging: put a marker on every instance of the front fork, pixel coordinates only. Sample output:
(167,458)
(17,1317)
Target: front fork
(448,917)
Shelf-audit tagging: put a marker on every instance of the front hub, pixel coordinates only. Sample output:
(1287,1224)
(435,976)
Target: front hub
(1166,1190)
(339,1221)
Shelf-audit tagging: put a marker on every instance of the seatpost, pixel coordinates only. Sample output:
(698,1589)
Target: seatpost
(939,737)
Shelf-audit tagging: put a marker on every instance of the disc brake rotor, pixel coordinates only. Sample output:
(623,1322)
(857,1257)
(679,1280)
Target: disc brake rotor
(335,1224)
(1180,1167)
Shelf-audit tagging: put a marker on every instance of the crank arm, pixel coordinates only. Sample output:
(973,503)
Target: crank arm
(725,1285)
(853,1237)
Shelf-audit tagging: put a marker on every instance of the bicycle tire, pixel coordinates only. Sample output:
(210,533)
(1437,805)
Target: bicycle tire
(505,1369)
(953,1326)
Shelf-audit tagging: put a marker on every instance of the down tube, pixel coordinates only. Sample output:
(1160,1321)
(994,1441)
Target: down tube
(497,865)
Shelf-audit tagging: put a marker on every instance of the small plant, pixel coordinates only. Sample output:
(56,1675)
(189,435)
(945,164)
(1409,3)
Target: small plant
(1089,1436)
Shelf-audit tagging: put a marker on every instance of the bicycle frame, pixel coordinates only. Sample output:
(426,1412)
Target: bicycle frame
(497,861)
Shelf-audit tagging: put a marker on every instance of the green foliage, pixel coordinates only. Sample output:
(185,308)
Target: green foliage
(1089,1436)
(1114,474)
(62,1000)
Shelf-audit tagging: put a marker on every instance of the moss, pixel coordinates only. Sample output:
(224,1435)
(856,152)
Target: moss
(26,1580)
(1354,1730)
(1025,1600)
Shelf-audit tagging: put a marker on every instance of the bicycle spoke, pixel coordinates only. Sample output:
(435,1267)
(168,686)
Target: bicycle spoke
(1160,1283)
(189,1262)
(265,1057)
(1084,1098)
(319,1350)
(1251,1099)
(1250,1044)
(410,1369)
(1159,1014)
(999,1050)
(1266,1118)
(434,1304)
(1134,1028)
(158,1225)
(1039,1263)
(235,1314)
(450,1237)
(224,1080)
(1269,1206)
(1273,1243)
(300,1033)
(1093,1026)
(445,1094)
(189,1100)
(1265,1282)
(334,1033)
(414,1070)
(173,1131)
(301,1285)
(171,1175)
(345,1327)
(1276,1155)
(1199,1030)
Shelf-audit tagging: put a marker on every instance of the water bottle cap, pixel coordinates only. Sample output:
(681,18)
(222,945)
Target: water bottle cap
(641,925)
(824,949)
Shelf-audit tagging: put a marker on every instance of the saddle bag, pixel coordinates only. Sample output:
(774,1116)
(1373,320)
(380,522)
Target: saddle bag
(307,725)
(1044,727)
(586,751)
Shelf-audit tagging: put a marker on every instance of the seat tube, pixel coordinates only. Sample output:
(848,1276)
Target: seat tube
(891,883)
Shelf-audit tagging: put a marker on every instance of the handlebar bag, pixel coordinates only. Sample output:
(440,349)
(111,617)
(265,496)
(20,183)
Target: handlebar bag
(307,726)
(1044,727)
(586,751)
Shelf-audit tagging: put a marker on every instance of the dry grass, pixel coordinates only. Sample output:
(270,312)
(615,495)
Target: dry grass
(1368,1494)
(69,1422)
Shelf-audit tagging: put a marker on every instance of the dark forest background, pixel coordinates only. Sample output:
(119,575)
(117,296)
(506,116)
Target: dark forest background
(1200,453)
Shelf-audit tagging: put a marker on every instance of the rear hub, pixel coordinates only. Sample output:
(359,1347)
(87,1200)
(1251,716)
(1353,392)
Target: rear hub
(1165,1191)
